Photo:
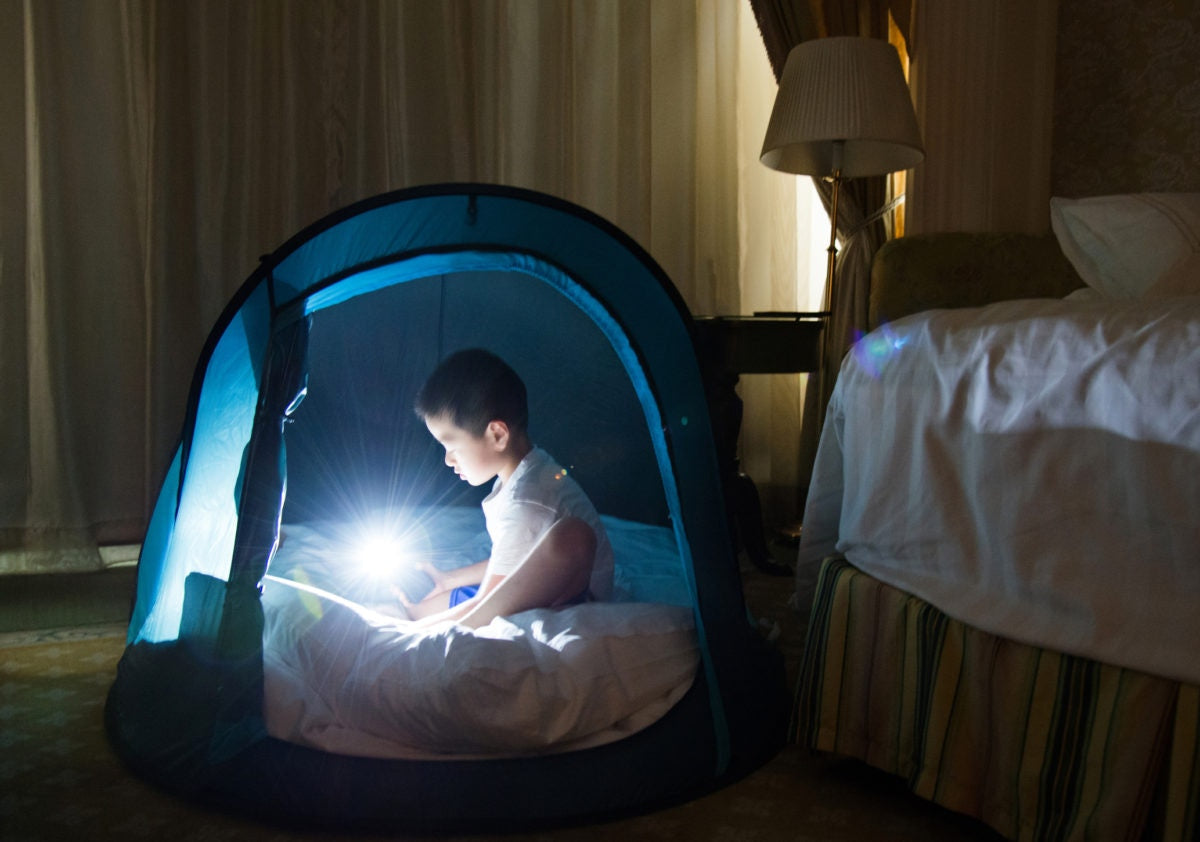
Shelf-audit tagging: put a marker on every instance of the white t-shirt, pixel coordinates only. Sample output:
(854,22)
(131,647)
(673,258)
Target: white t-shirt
(537,495)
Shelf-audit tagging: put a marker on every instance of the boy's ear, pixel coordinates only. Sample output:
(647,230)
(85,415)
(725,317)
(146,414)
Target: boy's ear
(497,434)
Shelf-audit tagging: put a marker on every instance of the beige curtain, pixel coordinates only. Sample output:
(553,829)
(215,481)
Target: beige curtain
(150,150)
(983,78)
(774,269)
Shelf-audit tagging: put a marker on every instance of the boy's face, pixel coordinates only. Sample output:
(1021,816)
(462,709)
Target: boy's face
(476,459)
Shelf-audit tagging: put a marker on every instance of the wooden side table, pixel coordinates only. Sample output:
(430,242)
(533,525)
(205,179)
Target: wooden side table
(729,346)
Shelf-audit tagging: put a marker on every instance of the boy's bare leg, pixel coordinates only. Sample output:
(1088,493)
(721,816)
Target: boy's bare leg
(444,582)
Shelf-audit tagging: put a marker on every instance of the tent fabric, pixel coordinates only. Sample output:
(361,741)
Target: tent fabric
(303,391)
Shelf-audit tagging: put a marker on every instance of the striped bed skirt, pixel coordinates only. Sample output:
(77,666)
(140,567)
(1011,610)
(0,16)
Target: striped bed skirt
(1037,744)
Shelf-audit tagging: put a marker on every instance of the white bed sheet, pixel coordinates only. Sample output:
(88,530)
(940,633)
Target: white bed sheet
(342,677)
(1031,468)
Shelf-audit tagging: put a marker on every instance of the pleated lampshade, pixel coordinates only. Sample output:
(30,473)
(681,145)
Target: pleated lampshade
(842,98)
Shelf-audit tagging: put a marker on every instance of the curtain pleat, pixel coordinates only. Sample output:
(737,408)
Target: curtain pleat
(984,88)
(151,150)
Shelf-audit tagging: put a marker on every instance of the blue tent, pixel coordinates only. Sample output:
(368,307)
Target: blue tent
(348,317)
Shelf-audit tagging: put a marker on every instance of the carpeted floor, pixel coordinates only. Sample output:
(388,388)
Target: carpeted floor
(59,779)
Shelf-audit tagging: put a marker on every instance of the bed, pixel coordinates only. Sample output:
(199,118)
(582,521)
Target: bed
(342,673)
(1003,526)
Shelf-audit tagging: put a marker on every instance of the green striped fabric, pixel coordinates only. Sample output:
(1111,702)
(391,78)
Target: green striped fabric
(1037,744)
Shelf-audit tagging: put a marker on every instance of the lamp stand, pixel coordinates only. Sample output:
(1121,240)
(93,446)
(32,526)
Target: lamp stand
(836,180)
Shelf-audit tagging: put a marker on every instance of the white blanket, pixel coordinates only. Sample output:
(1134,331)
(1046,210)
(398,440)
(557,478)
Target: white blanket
(344,678)
(1031,468)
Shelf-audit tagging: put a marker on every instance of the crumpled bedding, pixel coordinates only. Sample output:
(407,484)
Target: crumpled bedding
(344,678)
(1031,468)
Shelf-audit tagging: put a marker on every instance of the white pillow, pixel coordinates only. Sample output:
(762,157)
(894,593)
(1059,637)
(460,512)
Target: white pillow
(1143,245)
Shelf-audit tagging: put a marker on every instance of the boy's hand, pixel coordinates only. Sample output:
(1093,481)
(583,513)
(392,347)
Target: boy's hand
(441,581)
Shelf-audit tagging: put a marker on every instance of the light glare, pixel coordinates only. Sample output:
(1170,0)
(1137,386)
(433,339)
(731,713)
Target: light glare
(875,350)
(381,554)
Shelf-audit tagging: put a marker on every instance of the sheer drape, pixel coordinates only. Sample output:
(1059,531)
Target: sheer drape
(150,151)
(983,76)
(783,24)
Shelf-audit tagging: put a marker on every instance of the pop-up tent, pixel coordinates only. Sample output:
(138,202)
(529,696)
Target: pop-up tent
(300,413)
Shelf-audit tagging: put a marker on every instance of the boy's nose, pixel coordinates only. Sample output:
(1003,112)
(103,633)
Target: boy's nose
(449,460)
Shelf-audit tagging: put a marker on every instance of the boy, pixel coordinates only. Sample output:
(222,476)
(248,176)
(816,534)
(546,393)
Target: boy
(548,545)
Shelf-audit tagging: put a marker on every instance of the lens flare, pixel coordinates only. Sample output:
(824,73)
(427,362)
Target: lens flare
(386,545)
(380,553)
(876,349)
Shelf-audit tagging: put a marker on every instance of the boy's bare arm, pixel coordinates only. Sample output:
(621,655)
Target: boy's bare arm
(455,613)
(558,568)
(445,580)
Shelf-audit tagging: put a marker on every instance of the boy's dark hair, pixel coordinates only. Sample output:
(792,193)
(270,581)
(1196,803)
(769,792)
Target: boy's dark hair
(473,388)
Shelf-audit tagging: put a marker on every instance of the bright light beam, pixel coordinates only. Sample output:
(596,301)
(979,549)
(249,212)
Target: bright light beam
(381,554)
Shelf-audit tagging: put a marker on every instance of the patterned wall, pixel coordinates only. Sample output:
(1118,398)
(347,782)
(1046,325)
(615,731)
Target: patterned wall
(1127,97)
